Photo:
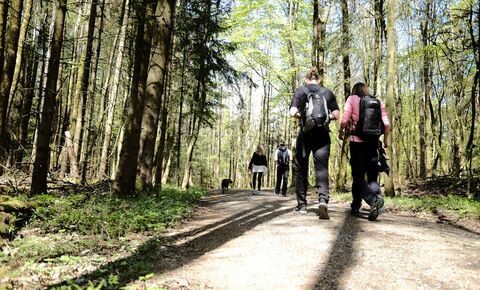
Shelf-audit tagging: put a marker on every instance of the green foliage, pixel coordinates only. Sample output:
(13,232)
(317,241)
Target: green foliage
(463,206)
(115,216)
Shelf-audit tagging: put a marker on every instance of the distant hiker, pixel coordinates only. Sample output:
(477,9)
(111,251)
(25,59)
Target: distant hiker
(282,157)
(225,183)
(369,121)
(258,165)
(315,106)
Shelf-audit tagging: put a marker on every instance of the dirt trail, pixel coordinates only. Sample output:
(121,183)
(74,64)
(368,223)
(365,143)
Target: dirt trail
(239,241)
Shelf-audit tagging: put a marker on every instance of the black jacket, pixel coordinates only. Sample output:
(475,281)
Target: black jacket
(257,159)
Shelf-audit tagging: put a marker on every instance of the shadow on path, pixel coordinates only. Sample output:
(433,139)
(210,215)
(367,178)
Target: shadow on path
(341,257)
(160,255)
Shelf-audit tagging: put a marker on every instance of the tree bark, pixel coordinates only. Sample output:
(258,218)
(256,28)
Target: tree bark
(155,88)
(11,47)
(40,166)
(127,167)
(425,72)
(389,185)
(102,172)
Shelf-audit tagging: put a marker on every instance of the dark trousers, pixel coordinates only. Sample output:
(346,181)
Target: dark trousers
(317,142)
(282,175)
(260,177)
(363,160)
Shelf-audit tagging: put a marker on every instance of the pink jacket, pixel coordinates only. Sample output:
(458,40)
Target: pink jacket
(352,112)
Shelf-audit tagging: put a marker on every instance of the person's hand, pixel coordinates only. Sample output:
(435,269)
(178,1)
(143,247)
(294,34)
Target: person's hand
(385,143)
(341,134)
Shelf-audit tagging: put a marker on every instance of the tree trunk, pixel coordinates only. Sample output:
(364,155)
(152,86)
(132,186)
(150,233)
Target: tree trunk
(342,172)
(379,33)
(155,88)
(425,92)
(127,167)
(389,186)
(16,101)
(102,172)
(11,47)
(40,166)
(321,13)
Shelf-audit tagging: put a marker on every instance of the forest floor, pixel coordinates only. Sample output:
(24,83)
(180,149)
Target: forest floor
(240,241)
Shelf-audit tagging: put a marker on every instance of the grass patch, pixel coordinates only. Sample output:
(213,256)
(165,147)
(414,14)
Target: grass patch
(463,206)
(114,216)
(71,233)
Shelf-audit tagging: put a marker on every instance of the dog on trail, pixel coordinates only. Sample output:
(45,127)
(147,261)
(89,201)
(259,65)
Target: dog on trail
(225,183)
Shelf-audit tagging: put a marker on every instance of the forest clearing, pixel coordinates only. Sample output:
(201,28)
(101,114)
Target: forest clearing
(127,129)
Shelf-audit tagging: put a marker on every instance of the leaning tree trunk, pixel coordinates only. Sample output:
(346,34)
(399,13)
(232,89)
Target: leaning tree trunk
(389,186)
(40,164)
(11,47)
(127,165)
(155,88)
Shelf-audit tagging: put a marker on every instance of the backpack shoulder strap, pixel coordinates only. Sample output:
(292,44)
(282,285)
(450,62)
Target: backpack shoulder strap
(306,90)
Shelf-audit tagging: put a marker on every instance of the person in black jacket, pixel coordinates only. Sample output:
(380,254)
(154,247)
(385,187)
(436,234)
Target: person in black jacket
(258,165)
(316,140)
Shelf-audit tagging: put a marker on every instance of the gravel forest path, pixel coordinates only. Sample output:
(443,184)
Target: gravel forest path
(240,241)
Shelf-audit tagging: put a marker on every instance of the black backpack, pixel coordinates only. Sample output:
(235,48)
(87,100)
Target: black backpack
(283,158)
(370,124)
(316,110)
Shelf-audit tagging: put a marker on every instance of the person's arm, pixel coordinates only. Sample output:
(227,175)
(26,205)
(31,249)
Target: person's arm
(296,100)
(386,122)
(251,162)
(347,114)
(294,113)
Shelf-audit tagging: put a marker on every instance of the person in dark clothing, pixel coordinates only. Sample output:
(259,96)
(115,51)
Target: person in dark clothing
(363,155)
(282,158)
(258,166)
(315,140)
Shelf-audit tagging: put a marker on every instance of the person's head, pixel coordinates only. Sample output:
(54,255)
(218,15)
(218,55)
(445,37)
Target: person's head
(282,144)
(260,150)
(313,76)
(360,89)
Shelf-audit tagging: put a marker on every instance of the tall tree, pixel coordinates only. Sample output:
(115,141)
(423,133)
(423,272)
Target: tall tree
(112,95)
(426,89)
(155,87)
(11,47)
(378,39)
(342,174)
(389,186)
(127,165)
(41,161)
(321,12)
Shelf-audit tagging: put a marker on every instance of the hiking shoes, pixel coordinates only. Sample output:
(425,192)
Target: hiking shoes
(355,212)
(323,210)
(300,209)
(376,209)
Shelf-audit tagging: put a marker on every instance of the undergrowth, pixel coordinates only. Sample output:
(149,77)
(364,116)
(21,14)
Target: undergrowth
(463,206)
(114,216)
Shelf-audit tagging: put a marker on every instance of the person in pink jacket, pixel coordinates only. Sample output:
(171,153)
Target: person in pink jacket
(363,155)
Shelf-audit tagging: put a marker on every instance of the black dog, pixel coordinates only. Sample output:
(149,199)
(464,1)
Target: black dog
(225,183)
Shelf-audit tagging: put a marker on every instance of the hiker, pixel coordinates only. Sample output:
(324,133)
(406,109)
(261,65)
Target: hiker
(282,158)
(315,106)
(258,165)
(366,119)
